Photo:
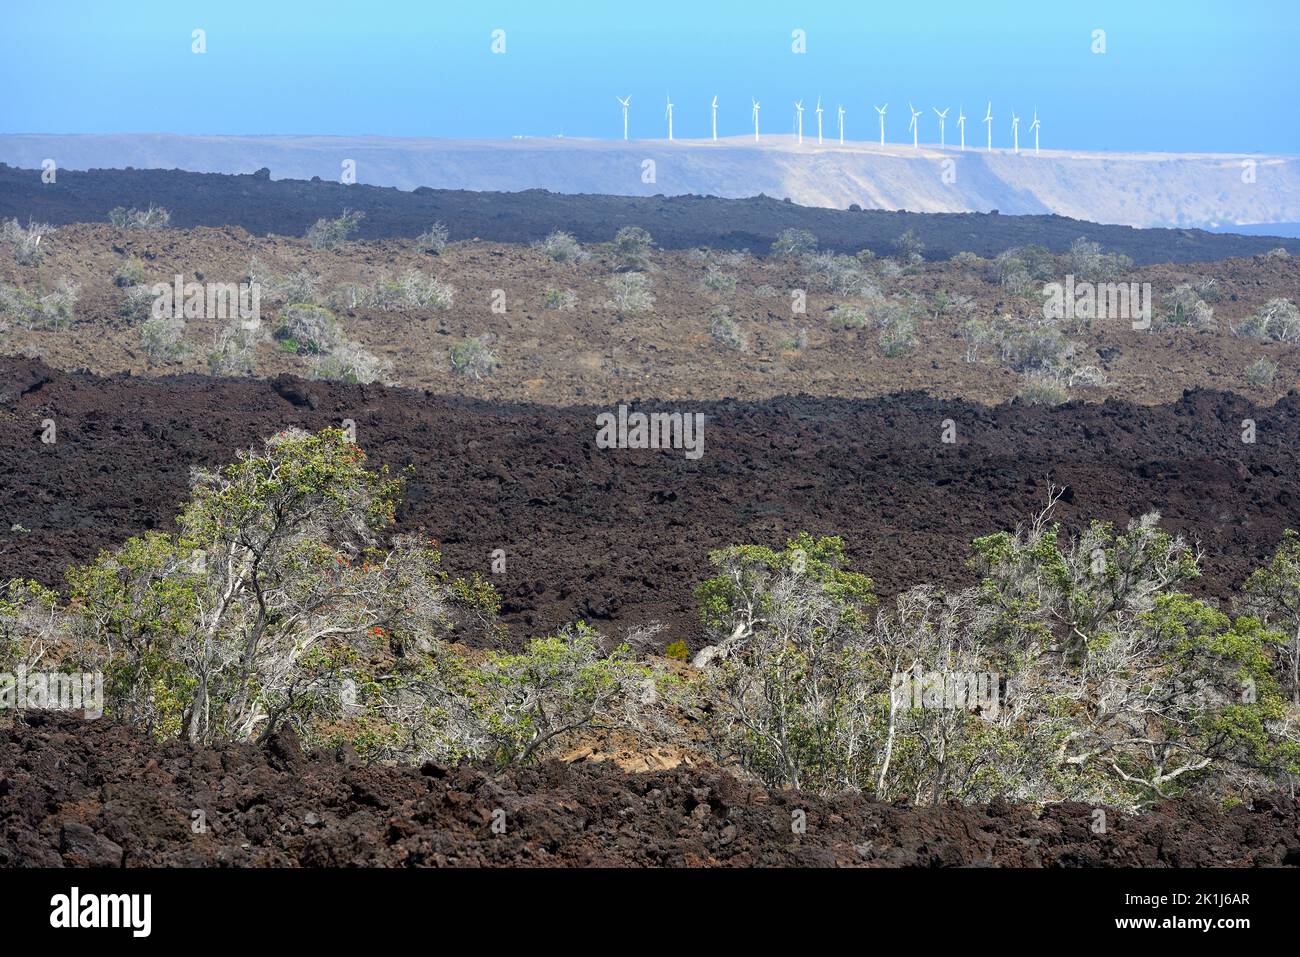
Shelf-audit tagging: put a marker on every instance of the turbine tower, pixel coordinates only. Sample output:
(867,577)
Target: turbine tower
(1015,131)
(755,119)
(669,114)
(988,121)
(798,114)
(942,116)
(625,100)
(881,111)
(841,112)
(819,121)
(715,119)
(1034,126)
(914,126)
(961,125)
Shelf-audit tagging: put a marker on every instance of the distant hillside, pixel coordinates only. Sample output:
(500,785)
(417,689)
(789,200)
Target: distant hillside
(1135,189)
(264,206)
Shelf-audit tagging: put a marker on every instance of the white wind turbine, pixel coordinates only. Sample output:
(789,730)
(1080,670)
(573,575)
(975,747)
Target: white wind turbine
(988,121)
(881,111)
(914,126)
(625,100)
(841,112)
(1034,126)
(1015,130)
(669,114)
(715,119)
(755,119)
(942,116)
(798,113)
(819,121)
(961,125)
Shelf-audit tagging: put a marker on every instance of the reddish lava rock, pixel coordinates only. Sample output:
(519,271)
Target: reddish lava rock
(76,793)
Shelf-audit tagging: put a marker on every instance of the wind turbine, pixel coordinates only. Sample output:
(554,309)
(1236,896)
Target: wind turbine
(798,112)
(625,100)
(755,119)
(961,125)
(715,119)
(1034,126)
(881,111)
(914,126)
(988,121)
(1015,130)
(942,116)
(819,121)
(669,114)
(841,111)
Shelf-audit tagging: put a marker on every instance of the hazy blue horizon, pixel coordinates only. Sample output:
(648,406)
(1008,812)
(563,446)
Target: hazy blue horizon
(1187,77)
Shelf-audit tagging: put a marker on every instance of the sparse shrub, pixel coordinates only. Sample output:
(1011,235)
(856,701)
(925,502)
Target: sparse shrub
(298,287)
(1086,261)
(556,687)
(1033,347)
(432,240)
(1272,594)
(765,291)
(976,333)
(847,316)
(1042,388)
(307,330)
(1018,283)
(271,593)
(1277,319)
(630,292)
(58,308)
(1085,375)
(411,290)
(350,361)
(281,599)
(677,650)
(717,281)
(329,233)
(889,269)
(967,260)
(842,275)
(632,246)
(1207,287)
(1019,268)
(54,310)
(233,350)
(25,241)
(560,300)
(1261,373)
(137,303)
(785,672)
(1183,307)
(1278,252)
(898,336)
(472,358)
(130,273)
(563,247)
(910,248)
(795,343)
(792,243)
(896,320)
(163,339)
(725,330)
(155,217)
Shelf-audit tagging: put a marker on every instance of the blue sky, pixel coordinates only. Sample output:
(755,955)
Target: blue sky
(1175,76)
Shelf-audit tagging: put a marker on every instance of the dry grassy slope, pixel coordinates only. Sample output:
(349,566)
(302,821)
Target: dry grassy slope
(1140,189)
(591,355)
